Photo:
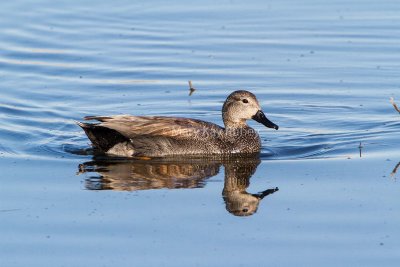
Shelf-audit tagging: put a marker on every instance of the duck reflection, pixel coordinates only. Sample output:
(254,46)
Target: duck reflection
(133,175)
(145,175)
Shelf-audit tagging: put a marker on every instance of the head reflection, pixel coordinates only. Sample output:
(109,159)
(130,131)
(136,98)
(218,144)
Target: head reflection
(133,175)
(237,179)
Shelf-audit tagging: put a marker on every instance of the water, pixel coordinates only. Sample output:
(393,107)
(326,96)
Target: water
(324,72)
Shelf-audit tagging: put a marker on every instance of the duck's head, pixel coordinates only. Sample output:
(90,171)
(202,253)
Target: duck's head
(241,203)
(241,106)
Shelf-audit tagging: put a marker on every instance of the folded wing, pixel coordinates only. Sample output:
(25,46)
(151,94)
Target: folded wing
(177,128)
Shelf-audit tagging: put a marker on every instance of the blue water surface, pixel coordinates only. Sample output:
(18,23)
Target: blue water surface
(323,71)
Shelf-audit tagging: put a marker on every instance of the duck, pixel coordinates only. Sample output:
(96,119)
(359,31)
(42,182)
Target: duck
(161,136)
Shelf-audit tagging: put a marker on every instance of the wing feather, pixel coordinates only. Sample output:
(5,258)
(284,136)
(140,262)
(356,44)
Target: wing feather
(169,127)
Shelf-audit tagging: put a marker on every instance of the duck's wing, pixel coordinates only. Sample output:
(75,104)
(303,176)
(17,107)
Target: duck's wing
(157,126)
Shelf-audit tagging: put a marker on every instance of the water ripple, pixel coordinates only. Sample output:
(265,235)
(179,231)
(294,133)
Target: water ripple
(317,76)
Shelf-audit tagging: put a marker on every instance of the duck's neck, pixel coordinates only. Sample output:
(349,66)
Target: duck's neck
(235,124)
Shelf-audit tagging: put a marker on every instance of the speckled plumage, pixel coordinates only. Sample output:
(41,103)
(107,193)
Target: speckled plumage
(156,136)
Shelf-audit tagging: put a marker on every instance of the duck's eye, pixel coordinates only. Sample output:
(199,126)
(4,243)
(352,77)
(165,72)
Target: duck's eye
(245,101)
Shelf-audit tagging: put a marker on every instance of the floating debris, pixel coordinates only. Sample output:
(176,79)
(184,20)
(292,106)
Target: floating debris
(394,105)
(360,147)
(393,174)
(191,88)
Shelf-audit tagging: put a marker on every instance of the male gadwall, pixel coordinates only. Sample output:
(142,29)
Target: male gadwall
(156,136)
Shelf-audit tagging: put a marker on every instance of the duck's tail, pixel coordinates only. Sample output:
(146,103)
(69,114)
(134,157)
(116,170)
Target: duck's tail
(102,138)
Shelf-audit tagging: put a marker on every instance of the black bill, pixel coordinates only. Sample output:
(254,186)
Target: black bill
(261,118)
(265,193)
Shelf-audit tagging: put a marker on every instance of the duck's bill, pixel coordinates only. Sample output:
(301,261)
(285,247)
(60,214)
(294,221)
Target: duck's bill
(261,118)
(265,193)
